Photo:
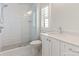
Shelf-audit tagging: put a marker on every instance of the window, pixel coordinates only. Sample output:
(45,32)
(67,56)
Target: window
(44,17)
(46,23)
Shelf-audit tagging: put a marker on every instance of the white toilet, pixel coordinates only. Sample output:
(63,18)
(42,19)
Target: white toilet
(36,46)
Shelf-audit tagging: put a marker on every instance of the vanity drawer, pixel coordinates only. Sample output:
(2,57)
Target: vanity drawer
(71,49)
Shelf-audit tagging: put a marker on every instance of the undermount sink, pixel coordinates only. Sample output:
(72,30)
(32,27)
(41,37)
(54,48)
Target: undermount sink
(54,33)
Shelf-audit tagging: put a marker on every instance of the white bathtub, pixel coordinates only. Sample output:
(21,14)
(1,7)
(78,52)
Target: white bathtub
(20,51)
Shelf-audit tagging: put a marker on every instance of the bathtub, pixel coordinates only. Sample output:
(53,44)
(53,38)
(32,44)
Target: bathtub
(18,50)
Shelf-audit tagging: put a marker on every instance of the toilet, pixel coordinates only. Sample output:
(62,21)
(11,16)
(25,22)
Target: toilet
(36,46)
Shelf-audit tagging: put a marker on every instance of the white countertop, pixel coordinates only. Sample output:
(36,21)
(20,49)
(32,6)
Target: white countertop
(69,38)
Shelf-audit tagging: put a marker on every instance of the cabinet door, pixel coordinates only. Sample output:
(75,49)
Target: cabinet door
(62,49)
(46,46)
(55,47)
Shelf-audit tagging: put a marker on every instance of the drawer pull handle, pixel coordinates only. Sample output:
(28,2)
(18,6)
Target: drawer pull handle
(48,40)
(73,50)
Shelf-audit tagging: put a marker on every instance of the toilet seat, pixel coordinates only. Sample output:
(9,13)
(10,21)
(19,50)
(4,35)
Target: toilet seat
(36,42)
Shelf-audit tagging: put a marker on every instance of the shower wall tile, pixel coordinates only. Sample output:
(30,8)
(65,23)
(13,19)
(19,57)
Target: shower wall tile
(16,29)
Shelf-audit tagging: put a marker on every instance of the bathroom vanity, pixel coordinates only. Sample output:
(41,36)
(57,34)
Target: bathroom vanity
(56,44)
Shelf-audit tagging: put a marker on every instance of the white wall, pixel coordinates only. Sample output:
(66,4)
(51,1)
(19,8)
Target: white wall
(16,27)
(38,21)
(65,16)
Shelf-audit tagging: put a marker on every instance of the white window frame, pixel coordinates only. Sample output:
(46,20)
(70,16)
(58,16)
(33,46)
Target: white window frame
(44,23)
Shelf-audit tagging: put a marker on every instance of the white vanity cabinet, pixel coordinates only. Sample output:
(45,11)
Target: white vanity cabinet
(50,46)
(46,46)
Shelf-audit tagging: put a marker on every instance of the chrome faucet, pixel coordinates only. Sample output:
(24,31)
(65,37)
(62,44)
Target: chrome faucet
(60,30)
